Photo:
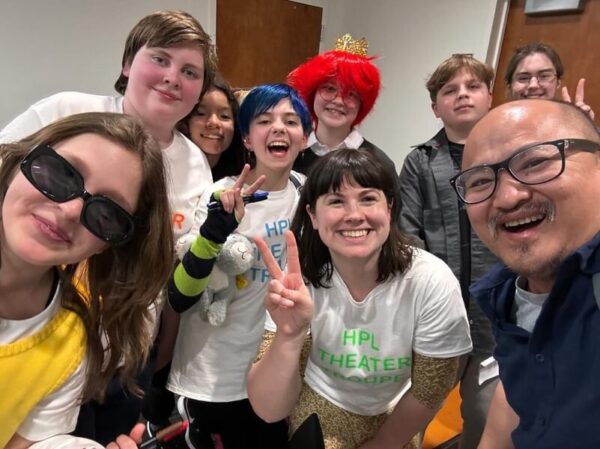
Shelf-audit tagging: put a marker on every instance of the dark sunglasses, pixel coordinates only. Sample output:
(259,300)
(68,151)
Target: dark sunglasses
(59,181)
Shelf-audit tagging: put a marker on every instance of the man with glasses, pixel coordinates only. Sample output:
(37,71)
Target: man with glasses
(535,71)
(460,94)
(531,184)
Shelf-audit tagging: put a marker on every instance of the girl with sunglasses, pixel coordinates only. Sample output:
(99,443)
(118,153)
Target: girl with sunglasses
(60,342)
(381,313)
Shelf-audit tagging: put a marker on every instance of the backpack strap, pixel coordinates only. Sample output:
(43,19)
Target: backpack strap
(295,180)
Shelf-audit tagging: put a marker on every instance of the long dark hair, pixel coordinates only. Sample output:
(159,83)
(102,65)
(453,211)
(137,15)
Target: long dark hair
(327,175)
(232,159)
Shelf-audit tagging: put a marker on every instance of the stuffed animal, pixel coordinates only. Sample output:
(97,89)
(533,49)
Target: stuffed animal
(228,276)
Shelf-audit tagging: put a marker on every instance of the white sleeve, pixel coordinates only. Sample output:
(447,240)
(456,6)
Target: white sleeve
(57,413)
(25,124)
(66,442)
(442,328)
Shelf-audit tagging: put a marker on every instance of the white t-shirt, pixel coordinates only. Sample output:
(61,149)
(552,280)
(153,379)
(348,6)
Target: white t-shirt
(188,170)
(56,413)
(210,363)
(361,353)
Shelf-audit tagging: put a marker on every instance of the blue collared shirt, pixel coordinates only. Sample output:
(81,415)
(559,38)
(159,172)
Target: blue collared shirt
(551,376)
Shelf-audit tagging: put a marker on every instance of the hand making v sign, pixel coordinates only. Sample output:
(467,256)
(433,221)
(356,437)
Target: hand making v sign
(579,95)
(287,298)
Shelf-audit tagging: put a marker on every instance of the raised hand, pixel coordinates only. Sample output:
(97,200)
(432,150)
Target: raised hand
(287,298)
(579,95)
(231,198)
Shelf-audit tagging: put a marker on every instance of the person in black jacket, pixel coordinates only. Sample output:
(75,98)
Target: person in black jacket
(459,89)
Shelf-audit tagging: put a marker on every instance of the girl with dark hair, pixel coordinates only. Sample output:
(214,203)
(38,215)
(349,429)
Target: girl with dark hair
(382,315)
(212,127)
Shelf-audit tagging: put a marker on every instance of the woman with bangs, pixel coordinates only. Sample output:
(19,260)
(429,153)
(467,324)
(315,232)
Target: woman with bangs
(386,319)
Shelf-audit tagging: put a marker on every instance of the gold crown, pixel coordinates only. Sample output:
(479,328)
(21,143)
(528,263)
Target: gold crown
(345,43)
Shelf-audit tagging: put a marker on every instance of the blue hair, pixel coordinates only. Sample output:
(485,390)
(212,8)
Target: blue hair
(262,98)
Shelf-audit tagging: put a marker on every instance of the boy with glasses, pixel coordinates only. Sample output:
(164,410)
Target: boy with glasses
(531,178)
(460,93)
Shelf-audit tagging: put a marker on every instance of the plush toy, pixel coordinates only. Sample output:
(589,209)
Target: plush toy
(228,275)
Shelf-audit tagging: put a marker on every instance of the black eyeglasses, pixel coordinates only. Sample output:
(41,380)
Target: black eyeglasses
(59,181)
(531,165)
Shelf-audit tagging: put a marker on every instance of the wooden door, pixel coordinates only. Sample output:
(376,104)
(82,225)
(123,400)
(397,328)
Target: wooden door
(260,41)
(575,36)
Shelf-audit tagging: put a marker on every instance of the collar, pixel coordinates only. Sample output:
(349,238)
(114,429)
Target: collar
(353,140)
(586,259)
(440,140)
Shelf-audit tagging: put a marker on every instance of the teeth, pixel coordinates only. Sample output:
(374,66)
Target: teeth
(278,145)
(207,136)
(355,234)
(524,221)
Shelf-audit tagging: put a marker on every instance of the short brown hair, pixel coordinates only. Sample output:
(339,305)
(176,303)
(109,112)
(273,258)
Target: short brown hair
(120,290)
(528,50)
(168,29)
(454,64)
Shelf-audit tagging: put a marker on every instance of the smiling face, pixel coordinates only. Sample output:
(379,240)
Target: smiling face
(211,126)
(276,137)
(533,228)
(335,109)
(526,79)
(353,223)
(462,101)
(164,83)
(40,232)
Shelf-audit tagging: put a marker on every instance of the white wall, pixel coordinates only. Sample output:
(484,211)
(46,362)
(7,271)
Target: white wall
(49,46)
(54,45)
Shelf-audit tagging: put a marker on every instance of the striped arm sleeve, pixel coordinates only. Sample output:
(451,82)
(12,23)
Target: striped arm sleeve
(192,274)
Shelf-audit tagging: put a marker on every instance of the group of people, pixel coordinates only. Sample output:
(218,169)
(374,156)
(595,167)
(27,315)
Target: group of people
(371,294)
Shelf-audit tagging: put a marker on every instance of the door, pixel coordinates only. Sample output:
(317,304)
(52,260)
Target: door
(575,36)
(260,41)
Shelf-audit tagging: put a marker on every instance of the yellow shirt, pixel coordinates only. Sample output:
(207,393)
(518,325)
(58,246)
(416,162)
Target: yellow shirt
(33,367)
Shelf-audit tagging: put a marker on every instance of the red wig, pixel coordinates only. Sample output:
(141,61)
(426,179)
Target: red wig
(350,71)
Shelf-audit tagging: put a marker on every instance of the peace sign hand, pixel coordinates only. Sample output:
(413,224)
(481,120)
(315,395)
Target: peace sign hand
(231,198)
(287,298)
(579,95)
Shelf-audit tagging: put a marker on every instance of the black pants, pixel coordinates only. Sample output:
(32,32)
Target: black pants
(236,423)
(117,414)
